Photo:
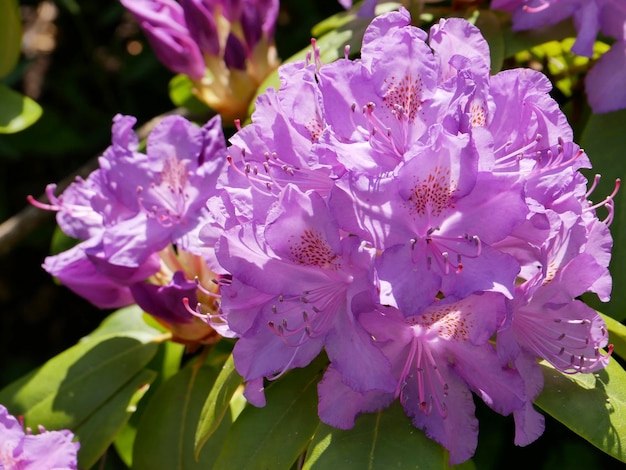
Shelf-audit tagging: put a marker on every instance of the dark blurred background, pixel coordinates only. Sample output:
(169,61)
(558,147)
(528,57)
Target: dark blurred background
(83,62)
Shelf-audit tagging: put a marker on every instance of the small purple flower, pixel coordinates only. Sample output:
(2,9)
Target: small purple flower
(48,450)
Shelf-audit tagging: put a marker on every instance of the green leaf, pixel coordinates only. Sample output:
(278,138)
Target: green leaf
(166,363)
(61,242)
(69,390)
(591,405)
(181,94)
(10,36)
(617,335)
(122,322)
(275,435)
(165,436)
(217,403)
(382,440)
(17,111)
(97,433)
(491,29)
(603,140)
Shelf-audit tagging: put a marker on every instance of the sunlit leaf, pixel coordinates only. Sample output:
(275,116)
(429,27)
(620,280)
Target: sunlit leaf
(122,322)
(71,389)
(381,440)
(17,111)
(10,36)
(165,437)
(181,94)
(591,405)
(275,435)
(217,403)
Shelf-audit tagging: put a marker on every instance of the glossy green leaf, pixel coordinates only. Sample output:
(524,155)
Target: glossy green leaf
(54,395)
(275,435)
(617,335)
(97,433)
(491,29)
(166,363)
(591,405)
(17,111)
(165,437)
(381,440)
(70,390)
(10,36)
(181,94)
(217,403)
(122,322)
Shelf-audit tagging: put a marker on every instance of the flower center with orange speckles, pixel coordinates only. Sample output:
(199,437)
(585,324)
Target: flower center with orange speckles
(311,249)
(451,321)
(433,194)
(405,94)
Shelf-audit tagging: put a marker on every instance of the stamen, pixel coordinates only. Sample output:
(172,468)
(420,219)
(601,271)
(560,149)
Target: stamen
(565,343)
(55,203)
(608,202)
(543,4)
(514,157)
(440,248)
(317,310)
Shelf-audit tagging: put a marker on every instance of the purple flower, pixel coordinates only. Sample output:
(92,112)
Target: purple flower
(546,318)
(132,211)
(403,210)
(47,450)
(604,83)
(435,357)
(225,47)
(298,287)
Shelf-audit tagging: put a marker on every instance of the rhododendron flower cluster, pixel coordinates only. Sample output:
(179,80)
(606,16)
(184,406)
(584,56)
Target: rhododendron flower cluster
(401,211)
(423,223)
(47,450)
(605,81)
